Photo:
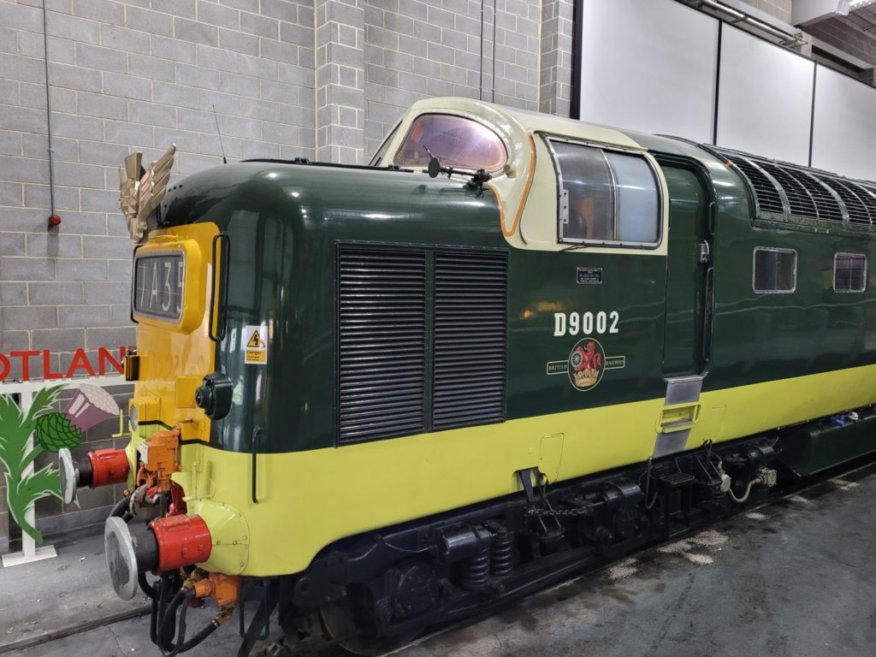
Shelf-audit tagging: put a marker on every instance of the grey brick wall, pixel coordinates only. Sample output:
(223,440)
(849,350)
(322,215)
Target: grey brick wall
(340,80)
(557,34)
(417,49)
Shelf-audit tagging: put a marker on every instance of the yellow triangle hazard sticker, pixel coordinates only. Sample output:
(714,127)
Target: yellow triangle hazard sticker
(255,341)
(255,351)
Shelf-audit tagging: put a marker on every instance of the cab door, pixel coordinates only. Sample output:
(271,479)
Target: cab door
(688,311)
(689,273)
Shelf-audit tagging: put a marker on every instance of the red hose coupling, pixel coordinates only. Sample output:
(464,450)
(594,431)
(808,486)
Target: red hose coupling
(108,466)
(182,541)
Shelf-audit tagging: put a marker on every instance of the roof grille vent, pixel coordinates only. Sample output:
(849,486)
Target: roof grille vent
(798,197)
(854,199)
(765,193)
(825,202)
(868,197)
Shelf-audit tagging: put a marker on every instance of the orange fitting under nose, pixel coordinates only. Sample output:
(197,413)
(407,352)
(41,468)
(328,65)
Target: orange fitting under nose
(108,466)
(159,457)
(224,588)
(182,541)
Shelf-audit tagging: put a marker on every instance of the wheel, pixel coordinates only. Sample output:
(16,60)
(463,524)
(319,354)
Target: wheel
(351,623)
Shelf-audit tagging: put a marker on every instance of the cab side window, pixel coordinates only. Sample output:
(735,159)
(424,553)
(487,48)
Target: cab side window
(606,197)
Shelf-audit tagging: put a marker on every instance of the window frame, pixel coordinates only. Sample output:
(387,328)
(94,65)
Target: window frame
(563,202)
(854,256)
(138,313)
(381,151)
(455,115)
(772,249)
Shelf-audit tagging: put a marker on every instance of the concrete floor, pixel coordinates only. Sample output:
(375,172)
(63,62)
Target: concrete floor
(795,578)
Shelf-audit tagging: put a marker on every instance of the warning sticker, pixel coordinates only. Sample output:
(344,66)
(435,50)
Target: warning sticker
(255,340)
(255,344)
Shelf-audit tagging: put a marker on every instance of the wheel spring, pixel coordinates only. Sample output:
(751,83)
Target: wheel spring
(502,553)
(476,571)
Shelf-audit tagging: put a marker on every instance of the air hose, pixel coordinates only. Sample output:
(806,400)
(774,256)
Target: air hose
(182,601)
(122,509)
(159,602)
(740,500)
(145,587)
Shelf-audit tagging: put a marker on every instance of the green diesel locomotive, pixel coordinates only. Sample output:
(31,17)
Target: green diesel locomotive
(389,398)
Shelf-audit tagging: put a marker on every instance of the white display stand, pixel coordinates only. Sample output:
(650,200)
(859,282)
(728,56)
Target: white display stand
(29,551)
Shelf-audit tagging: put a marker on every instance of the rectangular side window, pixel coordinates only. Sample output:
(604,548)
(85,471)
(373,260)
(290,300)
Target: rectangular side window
(606,198)
(775,270)
(849,272)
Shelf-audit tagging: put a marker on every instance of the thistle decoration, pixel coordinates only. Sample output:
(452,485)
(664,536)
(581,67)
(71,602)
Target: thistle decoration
(52,432)
(24,489)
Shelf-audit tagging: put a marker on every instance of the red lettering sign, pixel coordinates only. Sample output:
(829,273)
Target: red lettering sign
(81,364)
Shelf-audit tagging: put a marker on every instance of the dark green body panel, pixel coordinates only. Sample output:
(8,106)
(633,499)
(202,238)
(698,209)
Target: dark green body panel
(761,337)
(285,223)
(764,337)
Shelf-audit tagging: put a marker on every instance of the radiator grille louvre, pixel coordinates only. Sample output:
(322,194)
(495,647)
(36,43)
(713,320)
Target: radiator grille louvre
(470,338)
(382,343)
(765,192)
(868,197)
(808,193)
(852,198)
(798,197)
(825,202)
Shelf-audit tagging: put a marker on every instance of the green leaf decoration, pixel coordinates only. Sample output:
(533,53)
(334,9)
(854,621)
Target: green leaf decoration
(54,431)
(42,402)
(24,487)
(44,482)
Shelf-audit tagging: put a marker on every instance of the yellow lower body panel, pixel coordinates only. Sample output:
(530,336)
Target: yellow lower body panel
(307,500)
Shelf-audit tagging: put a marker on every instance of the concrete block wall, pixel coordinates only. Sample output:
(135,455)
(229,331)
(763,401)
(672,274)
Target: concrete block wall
(340,81)
(557,35)
(417,49)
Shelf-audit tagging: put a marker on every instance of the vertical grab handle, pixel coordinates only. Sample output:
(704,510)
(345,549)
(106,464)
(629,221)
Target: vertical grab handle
(134,285)
(256,434)
(708,316)
(219,287)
